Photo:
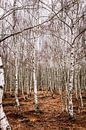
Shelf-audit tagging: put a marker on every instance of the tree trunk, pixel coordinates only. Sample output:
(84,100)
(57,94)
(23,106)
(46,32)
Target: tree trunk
(16,58)
(35,83)
(4,124)
(70,85)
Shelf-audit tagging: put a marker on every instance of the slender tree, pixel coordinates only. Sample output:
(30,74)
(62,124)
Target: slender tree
(4,124)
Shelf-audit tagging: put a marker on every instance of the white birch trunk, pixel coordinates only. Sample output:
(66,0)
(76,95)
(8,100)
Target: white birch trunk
(16,59)
(4,124)
(16,87)
(79,90)
(35,84)
(70,85)
(76,85)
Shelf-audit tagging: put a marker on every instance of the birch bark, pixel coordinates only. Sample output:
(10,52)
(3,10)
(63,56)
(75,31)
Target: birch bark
(35,83)
(70,85)
(16,60)
(4,124)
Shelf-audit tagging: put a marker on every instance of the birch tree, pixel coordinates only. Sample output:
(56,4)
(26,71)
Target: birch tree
(4,124)
(16,56)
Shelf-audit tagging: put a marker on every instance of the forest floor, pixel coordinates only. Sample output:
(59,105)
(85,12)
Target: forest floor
(50,116)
